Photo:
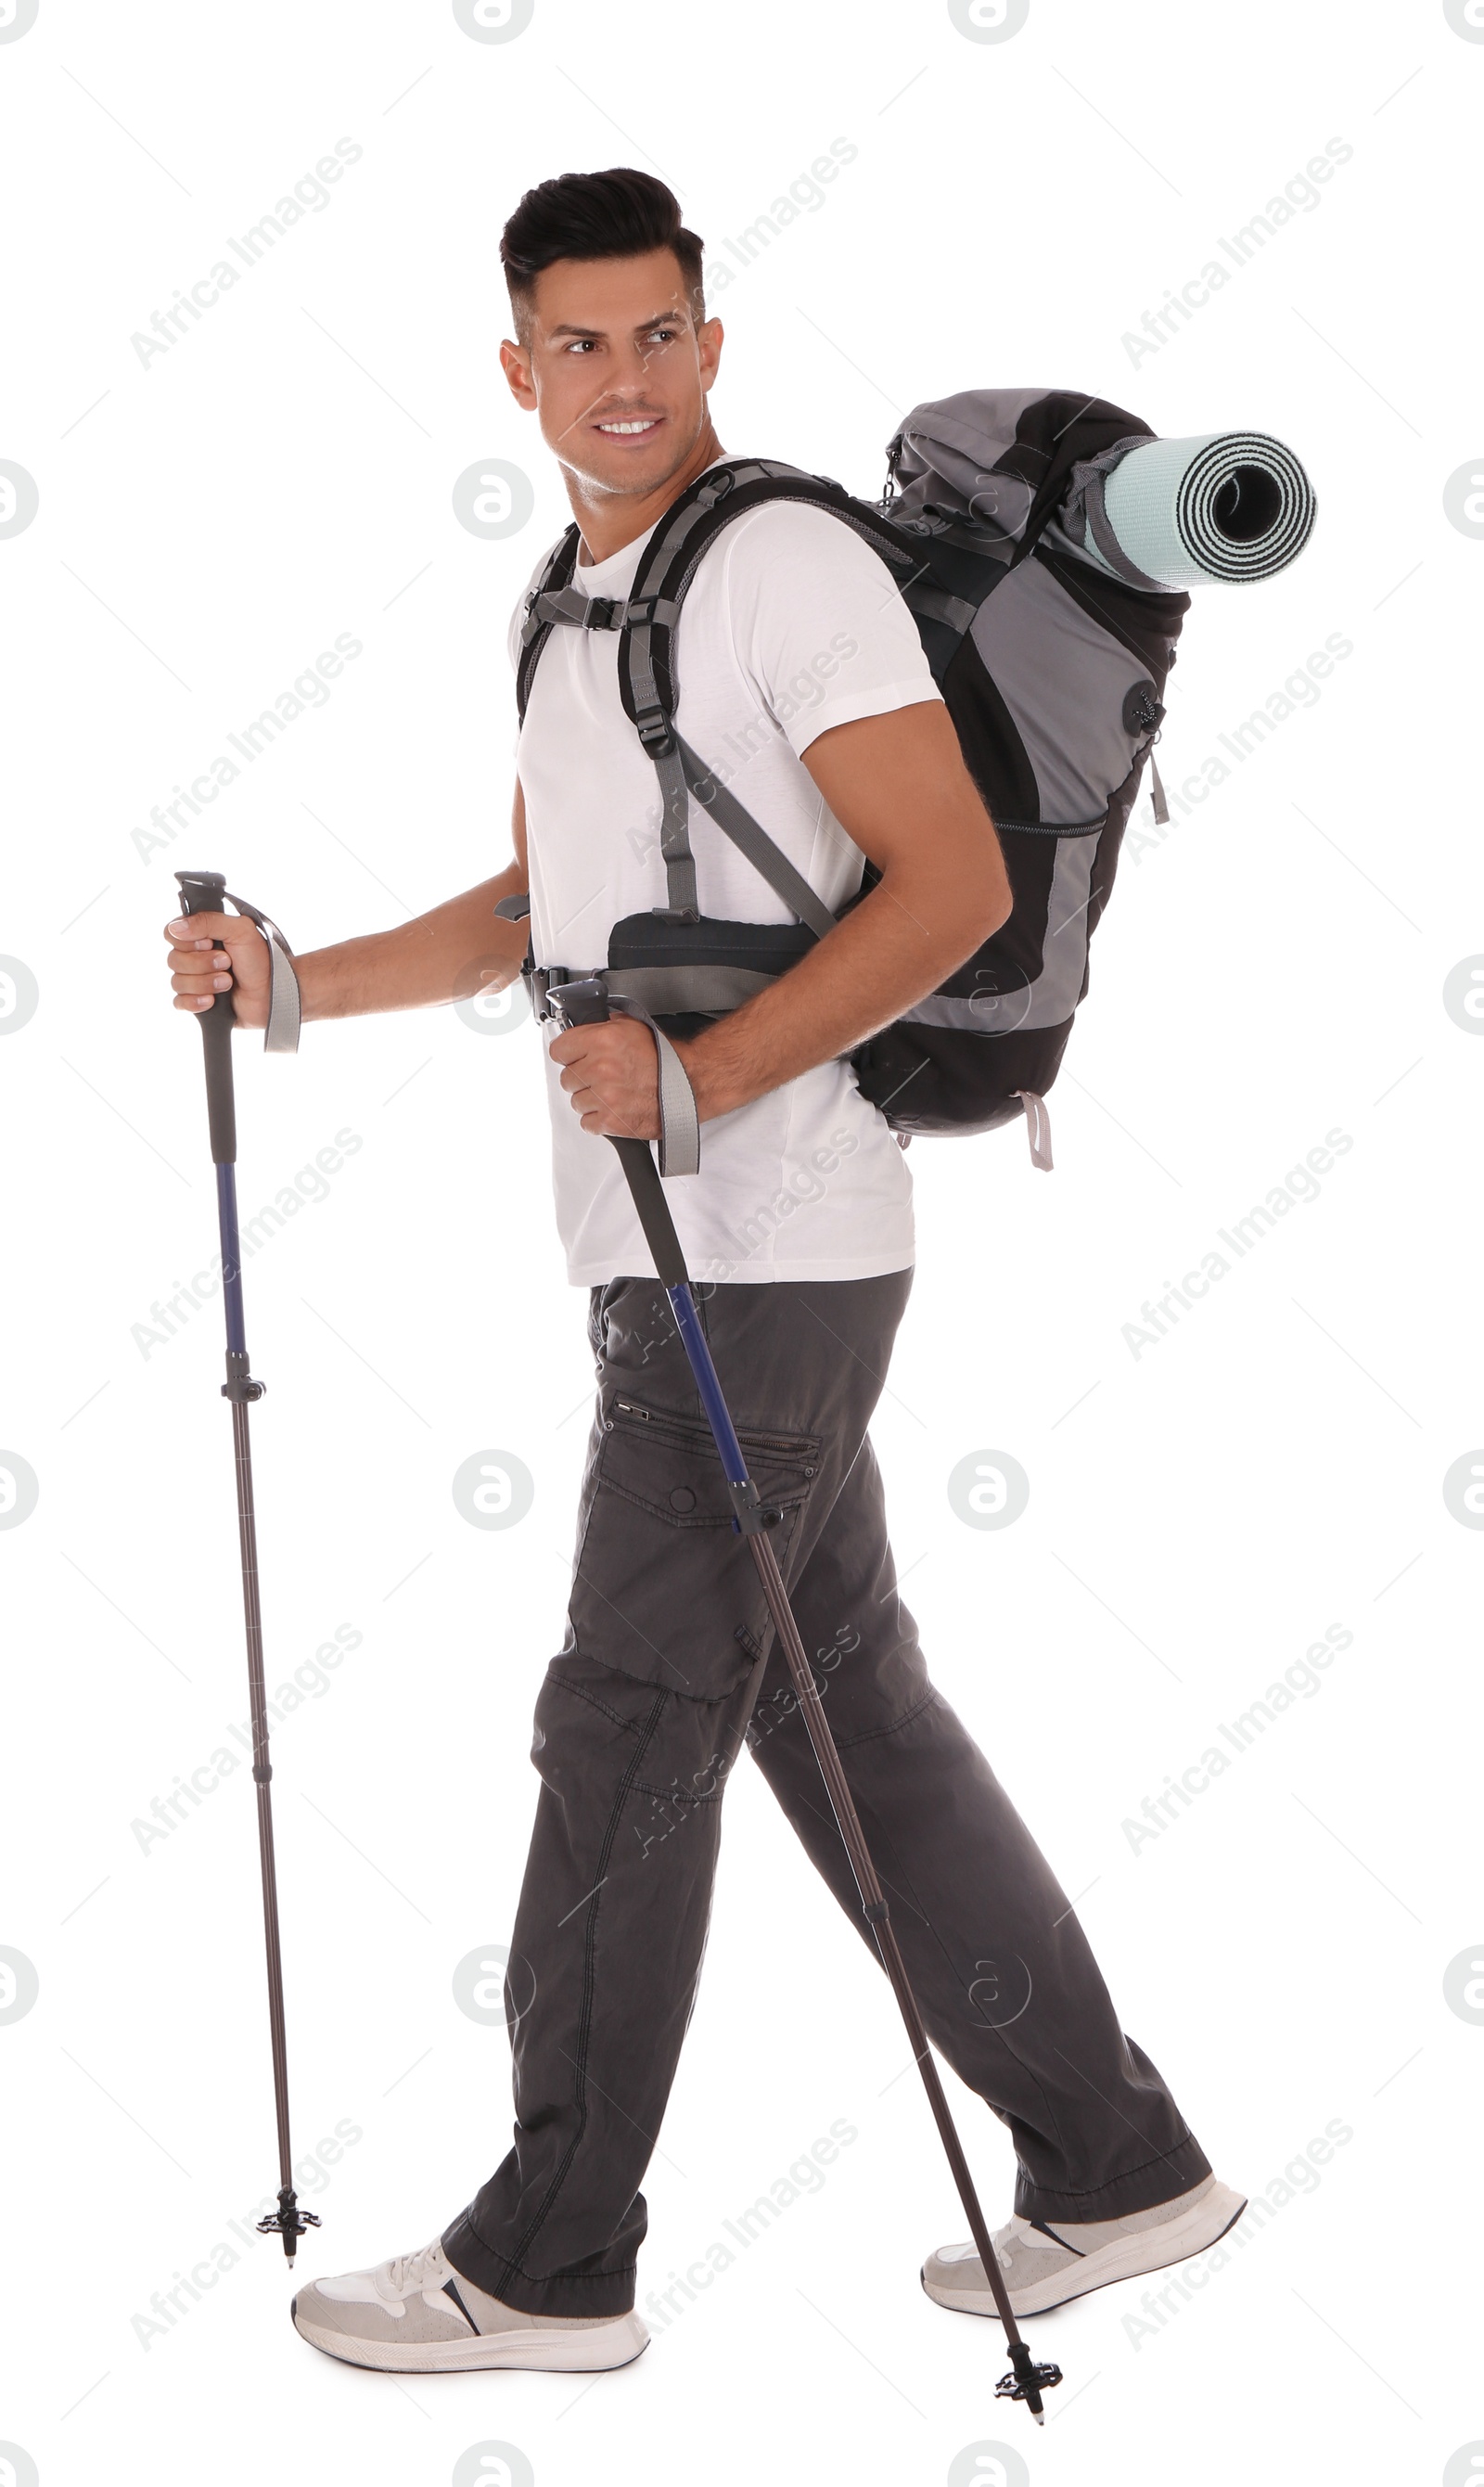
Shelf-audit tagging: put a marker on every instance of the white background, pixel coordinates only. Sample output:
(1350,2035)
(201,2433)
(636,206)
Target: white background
(1271,970)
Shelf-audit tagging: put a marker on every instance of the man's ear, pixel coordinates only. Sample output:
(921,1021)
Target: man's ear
(515,364)
(709,341)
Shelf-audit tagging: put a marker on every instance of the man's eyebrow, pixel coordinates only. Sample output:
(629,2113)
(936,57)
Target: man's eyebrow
(570,329)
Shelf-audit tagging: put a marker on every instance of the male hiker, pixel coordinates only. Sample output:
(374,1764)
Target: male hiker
(800,667)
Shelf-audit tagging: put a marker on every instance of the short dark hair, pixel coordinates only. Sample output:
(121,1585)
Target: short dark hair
(617,214)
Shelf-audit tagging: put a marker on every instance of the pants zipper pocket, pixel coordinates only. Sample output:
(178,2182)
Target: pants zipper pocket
(695,1428)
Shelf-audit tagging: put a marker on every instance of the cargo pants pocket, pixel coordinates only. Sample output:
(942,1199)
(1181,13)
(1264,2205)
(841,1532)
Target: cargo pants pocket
(664,1586)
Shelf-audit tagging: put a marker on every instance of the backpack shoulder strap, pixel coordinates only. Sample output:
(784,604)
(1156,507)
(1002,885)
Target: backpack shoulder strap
(646,621)
(647,678)
(648,682)
(537,630)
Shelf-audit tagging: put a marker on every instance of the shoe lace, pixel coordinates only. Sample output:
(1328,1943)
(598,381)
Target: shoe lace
(1007,2243)
(406,2272)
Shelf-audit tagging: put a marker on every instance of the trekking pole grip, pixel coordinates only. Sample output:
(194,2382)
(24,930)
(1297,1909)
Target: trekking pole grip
(584,1003)
(205,893)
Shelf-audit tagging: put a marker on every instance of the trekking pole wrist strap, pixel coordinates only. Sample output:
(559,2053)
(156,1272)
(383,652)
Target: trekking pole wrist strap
(286,1008)
(679,1120)
(585,1000)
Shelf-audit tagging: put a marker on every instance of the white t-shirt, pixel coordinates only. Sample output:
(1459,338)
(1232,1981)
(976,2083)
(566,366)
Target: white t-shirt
(791,625)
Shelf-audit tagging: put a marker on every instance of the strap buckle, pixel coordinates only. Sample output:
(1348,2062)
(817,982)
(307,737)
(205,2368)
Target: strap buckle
(613,613)
(542,981)
(559,981)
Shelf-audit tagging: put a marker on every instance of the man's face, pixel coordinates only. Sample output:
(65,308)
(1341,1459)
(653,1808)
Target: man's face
(616,369)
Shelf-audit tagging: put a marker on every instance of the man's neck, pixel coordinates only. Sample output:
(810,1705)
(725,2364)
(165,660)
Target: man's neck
(609,521)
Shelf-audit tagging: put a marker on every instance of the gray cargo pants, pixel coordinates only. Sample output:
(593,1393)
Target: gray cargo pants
(667,1671)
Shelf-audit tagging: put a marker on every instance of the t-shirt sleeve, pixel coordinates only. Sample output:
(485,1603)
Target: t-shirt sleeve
(818,623)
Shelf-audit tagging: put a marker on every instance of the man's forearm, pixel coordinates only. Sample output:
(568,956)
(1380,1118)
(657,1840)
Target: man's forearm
(887,952)
(460,947)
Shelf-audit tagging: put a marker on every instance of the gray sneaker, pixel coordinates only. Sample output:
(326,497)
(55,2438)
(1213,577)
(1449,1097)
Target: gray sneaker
(1046,2262)
(416,2316)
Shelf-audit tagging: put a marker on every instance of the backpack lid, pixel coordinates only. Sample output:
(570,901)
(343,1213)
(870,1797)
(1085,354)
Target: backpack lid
(1000,460)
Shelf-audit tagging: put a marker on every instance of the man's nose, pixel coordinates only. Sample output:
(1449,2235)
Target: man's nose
(632,368)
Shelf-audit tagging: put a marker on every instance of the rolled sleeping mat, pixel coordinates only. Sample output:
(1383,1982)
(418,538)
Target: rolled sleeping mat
(1232,505)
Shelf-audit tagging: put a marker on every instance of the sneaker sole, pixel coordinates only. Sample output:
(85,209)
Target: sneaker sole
(1131,2258)
(556,2352)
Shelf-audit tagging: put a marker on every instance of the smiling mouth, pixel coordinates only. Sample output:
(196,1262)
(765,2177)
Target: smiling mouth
(631,428)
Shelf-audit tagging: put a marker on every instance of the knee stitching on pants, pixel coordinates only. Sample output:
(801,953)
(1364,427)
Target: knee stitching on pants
(675,1794)
(847,1744)
(631,1725)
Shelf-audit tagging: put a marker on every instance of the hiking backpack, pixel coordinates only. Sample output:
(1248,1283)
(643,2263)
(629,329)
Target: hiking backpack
(1053,671)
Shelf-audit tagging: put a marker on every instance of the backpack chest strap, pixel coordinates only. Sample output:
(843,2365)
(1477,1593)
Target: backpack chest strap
(568,605)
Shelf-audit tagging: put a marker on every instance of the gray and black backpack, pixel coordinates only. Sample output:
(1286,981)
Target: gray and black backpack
(1050,649)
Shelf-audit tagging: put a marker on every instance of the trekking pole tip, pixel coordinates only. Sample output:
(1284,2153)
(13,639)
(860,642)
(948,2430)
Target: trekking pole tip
(1028,2381)
(290,2222)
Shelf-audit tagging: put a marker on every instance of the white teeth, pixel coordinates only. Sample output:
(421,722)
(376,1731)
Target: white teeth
(647,425)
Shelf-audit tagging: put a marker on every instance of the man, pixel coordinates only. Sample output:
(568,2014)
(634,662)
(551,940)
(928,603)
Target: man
(800,667)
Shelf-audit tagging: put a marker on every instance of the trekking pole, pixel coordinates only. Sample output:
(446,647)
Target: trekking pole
(206,893)
(579,1004)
